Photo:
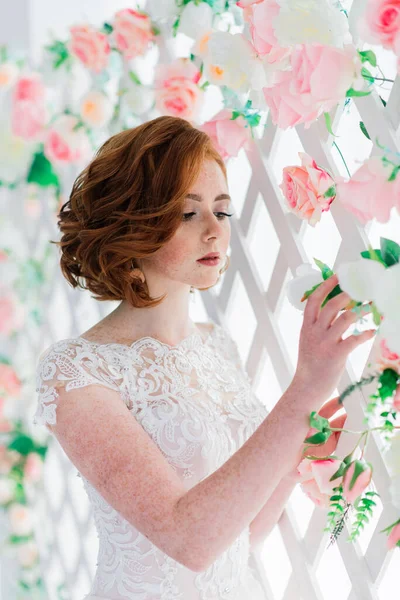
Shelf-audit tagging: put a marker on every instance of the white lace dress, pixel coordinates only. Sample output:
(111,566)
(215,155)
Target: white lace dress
(196,403)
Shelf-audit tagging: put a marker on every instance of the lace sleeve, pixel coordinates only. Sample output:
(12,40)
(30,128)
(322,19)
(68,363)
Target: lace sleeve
(70,364)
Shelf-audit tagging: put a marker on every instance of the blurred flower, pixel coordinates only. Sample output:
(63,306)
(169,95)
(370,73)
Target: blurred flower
(33,469)
(380,22)
(304,187)
(12,312)
(394,537)
(369,194)
(20,519)
(8,458)
(176,89)
(7,490)
(352,490)
(90,46)
(15,154)
(138,99)
(228,135)
(132,32)
(386,359)
(28,112)
(360,278)
(196,20)
(96,109)
(27,553)
(66,144)
(8,75)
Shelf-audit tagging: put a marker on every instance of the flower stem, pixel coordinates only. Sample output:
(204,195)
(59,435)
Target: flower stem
(342,157)
(383,79)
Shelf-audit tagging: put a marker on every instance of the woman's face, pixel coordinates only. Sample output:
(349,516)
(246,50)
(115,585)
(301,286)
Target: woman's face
(203,230)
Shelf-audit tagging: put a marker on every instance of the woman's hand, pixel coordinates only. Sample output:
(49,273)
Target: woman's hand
(328,410)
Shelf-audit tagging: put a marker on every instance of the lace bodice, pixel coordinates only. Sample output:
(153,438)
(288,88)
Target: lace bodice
(196,403)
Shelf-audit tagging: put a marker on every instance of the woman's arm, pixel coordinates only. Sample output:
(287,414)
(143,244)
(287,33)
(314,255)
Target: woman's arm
(262,525)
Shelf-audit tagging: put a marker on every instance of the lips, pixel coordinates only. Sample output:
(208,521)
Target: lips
(210,255)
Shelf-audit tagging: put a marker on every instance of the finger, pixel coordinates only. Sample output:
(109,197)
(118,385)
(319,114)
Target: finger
(342,323)
(331,309)
(353,341)
(339,422)
(330,408)
(313,304)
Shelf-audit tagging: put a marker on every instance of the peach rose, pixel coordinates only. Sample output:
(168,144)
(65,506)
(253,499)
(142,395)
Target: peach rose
(132,32)
(228,135)
(176,90)
(314,476)
(33,468)
(65,144)
(352,492)
(304,189)
(381,22)
(319,79)
(96,109)
(8,75)
(369,194)
(8,458)
(90,46)
(394,537)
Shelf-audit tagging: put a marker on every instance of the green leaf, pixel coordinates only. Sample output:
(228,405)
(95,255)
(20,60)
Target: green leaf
(175,27)
(390,251)
(235,115)
(135,78)
(330,192)
(393,174)
(318,438)
(326,271)
(107,28)
(22,444)
(356,94)
(156,30)
(328,123)
(387,383)
(368,56)
(383,101)
(41,172)
(338,473)
(367,75)
(369,255)
(364,130)
(318,422)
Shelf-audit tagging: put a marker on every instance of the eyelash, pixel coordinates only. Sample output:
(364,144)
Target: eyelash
(188,216)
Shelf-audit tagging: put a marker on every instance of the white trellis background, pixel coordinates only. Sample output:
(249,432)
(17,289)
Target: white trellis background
(267,245)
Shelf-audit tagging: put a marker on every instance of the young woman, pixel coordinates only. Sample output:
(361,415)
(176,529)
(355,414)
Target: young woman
(181,462)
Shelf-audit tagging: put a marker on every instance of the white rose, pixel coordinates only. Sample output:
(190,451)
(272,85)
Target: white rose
(361,278)
(27,553)
(138,99)
(387,293)
(20,519)
(308,21)
(305,279)
(96,109)
(196,20)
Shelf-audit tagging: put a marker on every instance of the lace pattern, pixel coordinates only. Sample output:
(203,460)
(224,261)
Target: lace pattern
(195,401)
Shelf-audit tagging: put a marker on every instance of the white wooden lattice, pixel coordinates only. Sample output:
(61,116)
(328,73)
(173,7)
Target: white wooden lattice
(267,245)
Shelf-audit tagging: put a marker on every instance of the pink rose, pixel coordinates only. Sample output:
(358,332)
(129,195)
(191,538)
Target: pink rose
(368,193)
(10,385)
(65,144)
(260,16)
(319,79)
(386,358)
(90,46)
(394,537)
(29,88)
(33,468)
(314,476)
(304,189)
(28,113)
(352,490)
(228,135)
(381,23)
(12,313)
(132,32)
(176,90)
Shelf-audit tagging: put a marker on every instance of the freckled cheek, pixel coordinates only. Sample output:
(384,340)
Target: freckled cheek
(172,256)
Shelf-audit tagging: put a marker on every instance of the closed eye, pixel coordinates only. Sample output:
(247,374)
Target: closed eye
(222,215)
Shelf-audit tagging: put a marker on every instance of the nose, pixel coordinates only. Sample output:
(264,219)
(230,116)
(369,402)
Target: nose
(213,228)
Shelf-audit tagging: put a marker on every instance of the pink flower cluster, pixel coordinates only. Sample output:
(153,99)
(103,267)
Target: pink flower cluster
(228,135)
(132,33)
(381,24)
(176,90)
(309,79)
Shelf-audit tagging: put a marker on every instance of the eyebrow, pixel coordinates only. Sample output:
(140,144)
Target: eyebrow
(199,198)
